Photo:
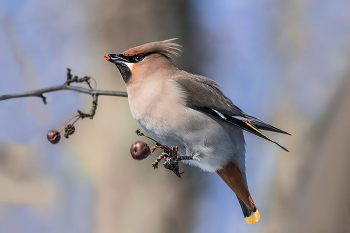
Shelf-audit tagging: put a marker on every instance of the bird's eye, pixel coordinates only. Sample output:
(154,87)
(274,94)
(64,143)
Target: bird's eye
(139,58)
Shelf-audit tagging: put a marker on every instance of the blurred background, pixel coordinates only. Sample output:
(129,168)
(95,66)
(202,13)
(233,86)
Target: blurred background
(285,62)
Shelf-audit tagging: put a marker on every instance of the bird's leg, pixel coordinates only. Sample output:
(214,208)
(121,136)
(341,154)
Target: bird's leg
(180,158)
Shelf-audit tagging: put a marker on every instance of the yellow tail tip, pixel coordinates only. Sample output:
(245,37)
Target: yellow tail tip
(254,217)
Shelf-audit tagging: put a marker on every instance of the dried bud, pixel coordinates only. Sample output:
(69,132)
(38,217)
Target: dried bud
(53,136)
(140,150)
(69,130)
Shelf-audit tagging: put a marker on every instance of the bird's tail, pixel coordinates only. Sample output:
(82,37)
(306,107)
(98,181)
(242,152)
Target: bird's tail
(233,177)
(251,216)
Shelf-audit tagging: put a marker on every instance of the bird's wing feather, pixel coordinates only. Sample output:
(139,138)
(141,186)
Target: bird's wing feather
(238,122)
(204,92)
(204,95)
(262,125)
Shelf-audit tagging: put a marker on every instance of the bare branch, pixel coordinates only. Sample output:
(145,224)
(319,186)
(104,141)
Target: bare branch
(66,86)
(40,92)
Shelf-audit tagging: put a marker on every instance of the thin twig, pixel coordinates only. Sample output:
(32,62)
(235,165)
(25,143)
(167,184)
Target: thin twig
(94,106)
(76,79)
(66,86)
(43,97)
(40,92)
(67,123)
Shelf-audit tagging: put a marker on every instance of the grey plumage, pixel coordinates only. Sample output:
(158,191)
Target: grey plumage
(204,92)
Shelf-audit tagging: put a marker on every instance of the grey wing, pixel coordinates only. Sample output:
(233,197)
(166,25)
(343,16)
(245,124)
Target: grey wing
(204,92)
(204,95)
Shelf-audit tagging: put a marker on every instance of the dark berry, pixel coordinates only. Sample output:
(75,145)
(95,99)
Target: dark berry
(53,136)
(140,150)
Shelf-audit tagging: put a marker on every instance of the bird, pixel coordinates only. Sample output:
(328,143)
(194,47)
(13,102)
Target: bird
(178,108)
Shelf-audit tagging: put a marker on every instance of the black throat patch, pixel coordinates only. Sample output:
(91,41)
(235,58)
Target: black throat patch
(124,71)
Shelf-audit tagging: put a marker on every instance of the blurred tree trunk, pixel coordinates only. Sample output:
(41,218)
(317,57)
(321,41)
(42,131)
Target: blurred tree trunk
(319,200)
(326,207)
(130,195)
(312,185)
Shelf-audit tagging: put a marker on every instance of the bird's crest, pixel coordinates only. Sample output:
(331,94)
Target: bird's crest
(165,47)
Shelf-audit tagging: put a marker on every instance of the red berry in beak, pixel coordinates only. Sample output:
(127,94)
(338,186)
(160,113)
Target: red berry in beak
(53,136)
(140,150)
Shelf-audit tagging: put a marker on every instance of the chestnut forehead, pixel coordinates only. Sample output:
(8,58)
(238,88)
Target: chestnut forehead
(132,52)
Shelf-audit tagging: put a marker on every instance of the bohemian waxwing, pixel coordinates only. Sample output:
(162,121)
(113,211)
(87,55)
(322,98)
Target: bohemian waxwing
(181,109)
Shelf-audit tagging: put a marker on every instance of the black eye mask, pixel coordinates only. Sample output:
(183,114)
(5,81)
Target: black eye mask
(135,58)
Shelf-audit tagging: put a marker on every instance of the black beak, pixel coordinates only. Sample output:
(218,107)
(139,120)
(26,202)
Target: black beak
(115,58)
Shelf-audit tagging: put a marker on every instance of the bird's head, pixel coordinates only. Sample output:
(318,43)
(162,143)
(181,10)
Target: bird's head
(144,60)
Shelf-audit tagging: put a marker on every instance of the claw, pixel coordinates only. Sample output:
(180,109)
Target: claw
(196,157)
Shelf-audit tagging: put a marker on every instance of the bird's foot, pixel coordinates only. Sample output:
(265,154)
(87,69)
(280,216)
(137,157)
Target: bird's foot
(171,160)
(196,157)
(170,156)
(172,165)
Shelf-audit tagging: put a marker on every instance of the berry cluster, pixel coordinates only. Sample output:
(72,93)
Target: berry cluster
(54,136)
(140,150)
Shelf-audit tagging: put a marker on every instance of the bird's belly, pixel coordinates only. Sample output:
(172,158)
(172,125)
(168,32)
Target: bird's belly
(160,132)
(199,136)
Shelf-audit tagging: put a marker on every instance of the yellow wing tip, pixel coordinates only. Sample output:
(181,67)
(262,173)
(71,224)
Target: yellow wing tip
(253,218)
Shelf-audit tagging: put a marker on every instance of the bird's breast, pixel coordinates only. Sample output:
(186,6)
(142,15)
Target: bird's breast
(158,106)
